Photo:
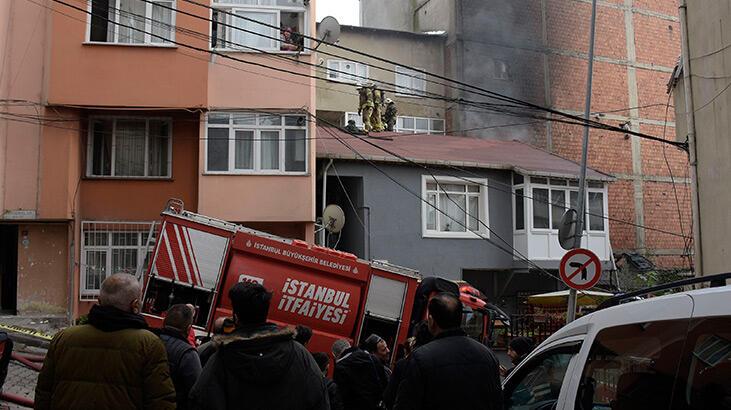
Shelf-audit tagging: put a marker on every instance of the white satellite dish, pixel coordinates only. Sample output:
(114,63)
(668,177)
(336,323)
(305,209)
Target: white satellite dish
(333,218)
(328,30)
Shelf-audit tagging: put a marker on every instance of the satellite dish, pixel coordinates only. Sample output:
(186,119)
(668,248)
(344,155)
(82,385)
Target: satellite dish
(567,230)
(328,30)
(333,218)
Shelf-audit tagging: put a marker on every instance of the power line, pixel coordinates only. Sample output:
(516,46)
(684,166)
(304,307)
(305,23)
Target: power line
(577,120)
(490,186)
(510,250)
(488,93)
(246,62)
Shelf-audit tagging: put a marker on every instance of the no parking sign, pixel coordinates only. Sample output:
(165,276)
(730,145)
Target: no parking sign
(580,269)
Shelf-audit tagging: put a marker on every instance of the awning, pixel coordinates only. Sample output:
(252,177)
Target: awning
(560,298)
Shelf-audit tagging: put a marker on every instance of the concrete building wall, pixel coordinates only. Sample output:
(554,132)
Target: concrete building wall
(712,106)
(419,51)
(43,283)
(388,14)
(396,228)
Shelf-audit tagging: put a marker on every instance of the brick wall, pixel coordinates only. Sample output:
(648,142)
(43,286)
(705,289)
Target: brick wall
(643,193)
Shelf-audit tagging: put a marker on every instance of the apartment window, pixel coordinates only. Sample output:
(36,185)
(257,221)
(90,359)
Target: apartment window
(410,83)
(132,21)
(129,147)
(462,207)
(355,117)
(259,25)
(499,69)
(113,247)
(245,142)
(347,71)
(419,125)
(551,197)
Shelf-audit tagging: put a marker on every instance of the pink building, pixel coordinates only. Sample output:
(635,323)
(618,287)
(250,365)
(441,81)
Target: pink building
(108,108)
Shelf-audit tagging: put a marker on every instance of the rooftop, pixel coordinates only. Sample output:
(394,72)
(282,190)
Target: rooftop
(449,150)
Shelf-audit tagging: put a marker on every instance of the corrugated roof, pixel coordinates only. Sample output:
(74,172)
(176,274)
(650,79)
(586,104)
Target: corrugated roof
(451,150)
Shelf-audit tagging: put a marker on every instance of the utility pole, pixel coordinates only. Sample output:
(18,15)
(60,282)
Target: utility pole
(581,206)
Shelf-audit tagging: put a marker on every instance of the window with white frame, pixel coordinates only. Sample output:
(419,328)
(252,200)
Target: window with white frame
(259,25)
(113,247)
(129,147)
(419,125)
(132,21)
(355,117)
(519,202)
(552,196)
(410,82)
(454,207)
(347,71)
(246,142)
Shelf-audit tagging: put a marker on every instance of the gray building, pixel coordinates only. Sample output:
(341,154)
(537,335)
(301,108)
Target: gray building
(703,109)
(463,208)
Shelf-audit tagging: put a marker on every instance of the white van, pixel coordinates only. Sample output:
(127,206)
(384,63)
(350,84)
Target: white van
(669,352)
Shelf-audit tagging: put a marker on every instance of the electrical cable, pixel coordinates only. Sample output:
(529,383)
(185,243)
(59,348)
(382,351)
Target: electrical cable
(576,119)
(215,53)
(511,251)
(508,190)
(488,93)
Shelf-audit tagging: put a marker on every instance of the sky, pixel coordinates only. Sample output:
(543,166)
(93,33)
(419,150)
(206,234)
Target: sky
(346,11)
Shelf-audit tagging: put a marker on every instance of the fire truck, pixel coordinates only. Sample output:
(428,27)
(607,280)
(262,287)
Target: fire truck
(197,259)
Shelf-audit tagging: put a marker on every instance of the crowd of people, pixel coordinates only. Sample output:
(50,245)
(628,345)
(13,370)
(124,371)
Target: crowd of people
(117,362)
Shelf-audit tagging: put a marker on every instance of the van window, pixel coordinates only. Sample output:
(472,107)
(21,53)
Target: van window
(632,366)
(705,374)
(538,383)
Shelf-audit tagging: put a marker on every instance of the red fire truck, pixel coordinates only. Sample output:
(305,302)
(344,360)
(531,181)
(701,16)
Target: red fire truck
(197,259)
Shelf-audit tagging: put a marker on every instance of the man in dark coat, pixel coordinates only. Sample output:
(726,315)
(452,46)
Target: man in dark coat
(113,362)
(361,379)
(332,389)
(185,365)
(452,371)
(259,365)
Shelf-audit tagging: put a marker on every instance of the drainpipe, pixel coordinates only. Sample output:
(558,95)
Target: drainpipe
(690,119)
(324,199)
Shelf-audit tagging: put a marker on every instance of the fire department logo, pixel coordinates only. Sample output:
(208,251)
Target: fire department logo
(355,270)
(248,244)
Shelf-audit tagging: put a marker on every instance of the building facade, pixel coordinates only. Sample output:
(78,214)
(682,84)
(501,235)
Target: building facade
(537,51)
(465,208)
(703,106)
(337,96)
(110,108)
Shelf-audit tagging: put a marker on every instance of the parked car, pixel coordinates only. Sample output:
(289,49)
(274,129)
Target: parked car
(668,352)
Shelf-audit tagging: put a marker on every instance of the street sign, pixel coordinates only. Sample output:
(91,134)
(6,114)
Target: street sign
(580,269)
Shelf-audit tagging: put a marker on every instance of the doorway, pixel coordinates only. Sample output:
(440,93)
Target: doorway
(8,269)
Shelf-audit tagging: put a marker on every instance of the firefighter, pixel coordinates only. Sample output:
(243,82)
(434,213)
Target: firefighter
(376,119)
(389,117)
(365,107)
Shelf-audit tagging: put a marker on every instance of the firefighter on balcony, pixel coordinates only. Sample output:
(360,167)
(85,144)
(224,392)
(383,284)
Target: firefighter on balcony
(365,107)
(376,119)
(389,116)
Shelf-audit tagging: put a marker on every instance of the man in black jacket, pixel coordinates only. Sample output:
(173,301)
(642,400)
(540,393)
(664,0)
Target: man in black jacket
(259,365)
(452,371)
(185,365)
(361,379)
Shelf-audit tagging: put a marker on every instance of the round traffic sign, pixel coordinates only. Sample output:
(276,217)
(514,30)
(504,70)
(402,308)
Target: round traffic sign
(580,269)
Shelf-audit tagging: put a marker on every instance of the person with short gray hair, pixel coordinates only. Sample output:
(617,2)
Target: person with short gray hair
(113,362)
(339,347)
